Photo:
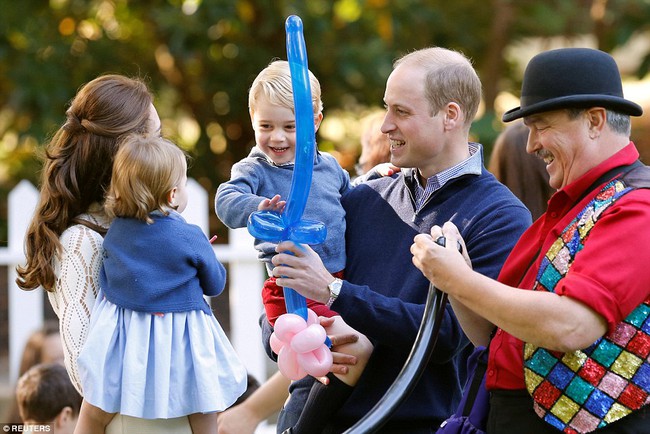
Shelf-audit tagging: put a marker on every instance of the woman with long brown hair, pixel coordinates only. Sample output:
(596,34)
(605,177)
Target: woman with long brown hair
(63,244)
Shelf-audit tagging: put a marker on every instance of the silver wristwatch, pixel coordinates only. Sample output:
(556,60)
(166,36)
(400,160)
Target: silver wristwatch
(335,289)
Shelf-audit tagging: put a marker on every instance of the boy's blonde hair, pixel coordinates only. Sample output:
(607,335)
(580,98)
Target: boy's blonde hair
(145,171)
(274,84)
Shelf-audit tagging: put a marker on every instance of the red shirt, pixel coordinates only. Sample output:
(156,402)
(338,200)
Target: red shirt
(611,274)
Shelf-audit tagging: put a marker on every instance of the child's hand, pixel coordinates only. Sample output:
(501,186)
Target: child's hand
(386,169)
(273,204)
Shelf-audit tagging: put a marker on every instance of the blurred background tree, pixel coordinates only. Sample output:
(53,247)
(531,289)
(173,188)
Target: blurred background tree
(200,56)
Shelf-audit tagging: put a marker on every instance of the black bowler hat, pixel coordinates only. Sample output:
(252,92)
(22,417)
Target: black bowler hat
(571,78)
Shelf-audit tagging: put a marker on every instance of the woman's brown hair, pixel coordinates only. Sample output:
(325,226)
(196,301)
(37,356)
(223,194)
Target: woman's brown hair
(78,164)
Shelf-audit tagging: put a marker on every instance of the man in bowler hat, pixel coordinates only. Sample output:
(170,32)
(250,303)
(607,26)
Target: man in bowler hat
(569,313)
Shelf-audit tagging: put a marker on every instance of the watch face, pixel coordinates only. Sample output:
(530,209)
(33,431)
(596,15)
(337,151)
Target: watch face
(335,287)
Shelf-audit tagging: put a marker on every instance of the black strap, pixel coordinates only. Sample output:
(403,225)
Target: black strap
(90,225)
(638,178)
(609,175)
(477,379)
(478,374)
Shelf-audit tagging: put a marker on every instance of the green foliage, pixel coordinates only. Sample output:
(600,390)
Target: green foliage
(200,56)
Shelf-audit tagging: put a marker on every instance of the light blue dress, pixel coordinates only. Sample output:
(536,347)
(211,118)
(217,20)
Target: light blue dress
(148,366)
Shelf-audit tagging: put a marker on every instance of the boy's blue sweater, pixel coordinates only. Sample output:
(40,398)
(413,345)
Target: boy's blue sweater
(256,177)
(383,295)
(163,267)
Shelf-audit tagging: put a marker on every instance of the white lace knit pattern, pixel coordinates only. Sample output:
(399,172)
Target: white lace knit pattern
(76,286)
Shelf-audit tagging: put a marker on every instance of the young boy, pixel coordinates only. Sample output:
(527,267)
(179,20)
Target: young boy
(262,181)
(46,395)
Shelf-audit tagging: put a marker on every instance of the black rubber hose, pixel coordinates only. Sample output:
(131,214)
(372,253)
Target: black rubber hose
(412,370)
(425,341)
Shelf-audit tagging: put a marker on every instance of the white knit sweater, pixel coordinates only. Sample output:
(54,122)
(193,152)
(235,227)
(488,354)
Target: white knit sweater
(77,282)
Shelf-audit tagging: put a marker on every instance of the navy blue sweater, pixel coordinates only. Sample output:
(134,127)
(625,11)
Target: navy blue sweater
(383,295)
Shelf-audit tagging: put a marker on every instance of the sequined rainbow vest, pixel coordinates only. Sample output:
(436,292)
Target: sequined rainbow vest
(582,391)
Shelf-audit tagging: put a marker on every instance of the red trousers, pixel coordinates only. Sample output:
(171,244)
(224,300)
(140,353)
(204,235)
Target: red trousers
(274,306)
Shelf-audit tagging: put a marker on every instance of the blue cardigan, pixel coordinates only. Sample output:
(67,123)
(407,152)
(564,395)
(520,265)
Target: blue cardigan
(383,295)
(256,177)
(164,267)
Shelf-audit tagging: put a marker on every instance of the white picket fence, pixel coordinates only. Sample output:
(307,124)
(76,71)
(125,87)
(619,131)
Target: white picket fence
(246,276)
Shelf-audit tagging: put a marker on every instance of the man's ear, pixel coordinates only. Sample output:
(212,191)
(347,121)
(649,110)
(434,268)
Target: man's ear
(453,115)
(597,118)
